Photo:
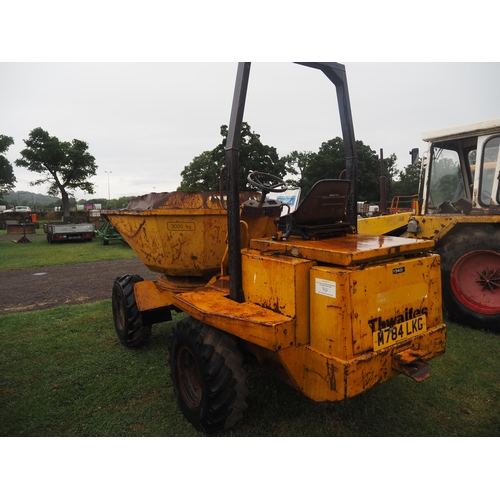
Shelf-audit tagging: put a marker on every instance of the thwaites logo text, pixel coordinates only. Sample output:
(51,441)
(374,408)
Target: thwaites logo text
(377,324)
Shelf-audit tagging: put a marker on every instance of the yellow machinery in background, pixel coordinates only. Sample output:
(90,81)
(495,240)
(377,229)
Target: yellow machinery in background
(460,213)
(393,223)
(384,224)
(325,309)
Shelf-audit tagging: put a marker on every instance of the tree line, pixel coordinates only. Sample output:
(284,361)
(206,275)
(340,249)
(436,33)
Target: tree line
(66,166)
(300,169)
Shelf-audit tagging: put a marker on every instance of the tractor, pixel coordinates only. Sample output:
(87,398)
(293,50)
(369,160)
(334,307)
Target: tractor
(459,209)
(460,212)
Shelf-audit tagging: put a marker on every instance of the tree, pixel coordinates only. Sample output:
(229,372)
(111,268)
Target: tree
(306,167)
(203,173)
(409,181)
(7,177)
(369,172)
(329,163)
(297,163)
(66,166)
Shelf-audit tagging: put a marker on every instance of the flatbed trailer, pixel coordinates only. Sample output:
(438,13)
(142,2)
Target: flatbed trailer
(63,231)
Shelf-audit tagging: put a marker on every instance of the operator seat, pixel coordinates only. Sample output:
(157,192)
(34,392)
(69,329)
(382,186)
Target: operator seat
(322,213)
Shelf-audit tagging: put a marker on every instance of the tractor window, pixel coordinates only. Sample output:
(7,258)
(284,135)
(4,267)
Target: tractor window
(446,182)
(489,163)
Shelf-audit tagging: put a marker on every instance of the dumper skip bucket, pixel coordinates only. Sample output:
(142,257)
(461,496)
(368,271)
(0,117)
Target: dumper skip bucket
(178,233)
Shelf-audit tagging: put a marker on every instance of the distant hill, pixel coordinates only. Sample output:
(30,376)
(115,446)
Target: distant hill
(31,199)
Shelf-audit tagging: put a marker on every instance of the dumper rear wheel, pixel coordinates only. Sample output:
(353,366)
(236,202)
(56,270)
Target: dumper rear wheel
(127,318)
(470,264)
(208,376)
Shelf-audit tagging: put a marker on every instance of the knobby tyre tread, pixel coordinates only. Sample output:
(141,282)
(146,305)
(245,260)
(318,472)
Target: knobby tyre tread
(477,238)
(211,391)
(127,318)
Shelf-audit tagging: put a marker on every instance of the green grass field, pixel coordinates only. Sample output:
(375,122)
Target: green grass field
(64,373)
(39,253)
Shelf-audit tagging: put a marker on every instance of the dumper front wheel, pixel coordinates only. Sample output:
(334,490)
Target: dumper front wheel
(208,376)
(127,318)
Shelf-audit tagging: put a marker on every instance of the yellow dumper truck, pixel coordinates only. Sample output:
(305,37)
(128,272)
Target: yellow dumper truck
(301,294)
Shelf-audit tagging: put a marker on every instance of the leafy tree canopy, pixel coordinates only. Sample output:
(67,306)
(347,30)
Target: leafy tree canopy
(203,173)
(297,163)
(65,166)
(409,181)
(7,177)
(301,168)
(329,163)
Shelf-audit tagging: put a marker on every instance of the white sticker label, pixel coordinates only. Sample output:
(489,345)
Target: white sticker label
(326,287)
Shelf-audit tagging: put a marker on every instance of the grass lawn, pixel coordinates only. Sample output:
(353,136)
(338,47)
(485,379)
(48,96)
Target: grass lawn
(64,373)
(39,253)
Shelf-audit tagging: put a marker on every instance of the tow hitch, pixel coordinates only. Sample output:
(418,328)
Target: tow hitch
(411,363)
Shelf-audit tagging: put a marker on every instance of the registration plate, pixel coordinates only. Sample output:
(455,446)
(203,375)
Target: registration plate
(399,332)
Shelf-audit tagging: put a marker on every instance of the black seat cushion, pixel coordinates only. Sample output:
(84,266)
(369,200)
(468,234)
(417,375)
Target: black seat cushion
(321,213)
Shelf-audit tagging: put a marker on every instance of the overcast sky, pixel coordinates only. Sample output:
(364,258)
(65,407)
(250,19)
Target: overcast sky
(144,122)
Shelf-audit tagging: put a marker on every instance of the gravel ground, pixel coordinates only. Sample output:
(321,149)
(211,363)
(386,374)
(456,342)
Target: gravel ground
(46,287)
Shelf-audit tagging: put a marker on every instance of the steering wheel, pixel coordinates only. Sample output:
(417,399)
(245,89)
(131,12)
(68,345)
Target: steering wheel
(267,183)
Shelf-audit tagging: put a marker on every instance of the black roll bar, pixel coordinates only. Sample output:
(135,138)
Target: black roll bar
(335,72)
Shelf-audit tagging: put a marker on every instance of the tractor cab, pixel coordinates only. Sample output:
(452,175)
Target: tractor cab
(462,170)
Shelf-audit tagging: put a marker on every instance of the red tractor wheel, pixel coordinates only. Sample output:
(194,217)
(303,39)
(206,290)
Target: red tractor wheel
(475,281)
(470,265)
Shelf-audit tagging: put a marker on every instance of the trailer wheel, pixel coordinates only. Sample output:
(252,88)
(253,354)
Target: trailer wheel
(126,316)
(208,376)
(470,265)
